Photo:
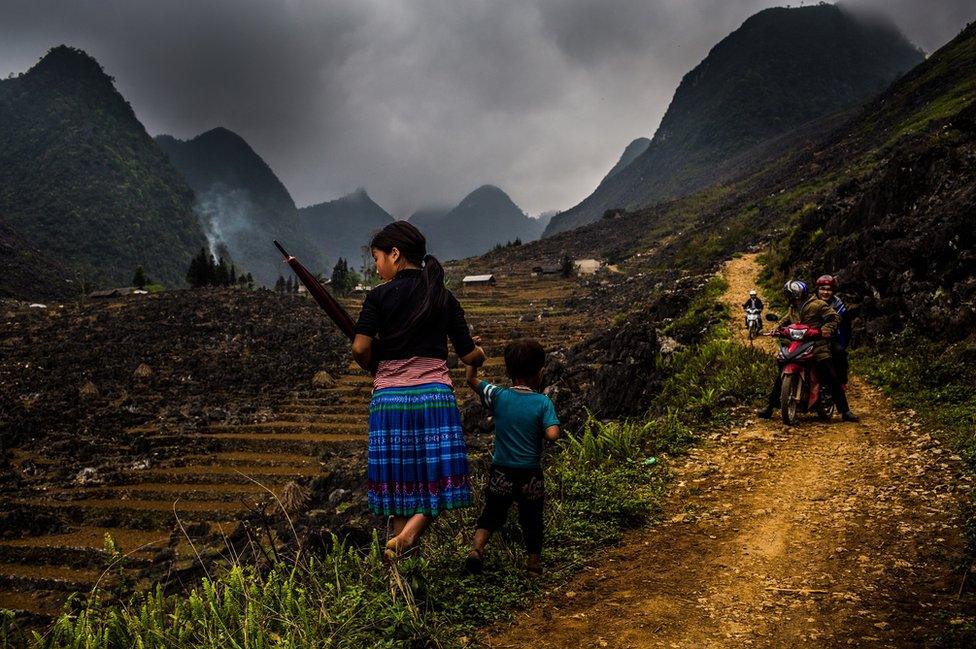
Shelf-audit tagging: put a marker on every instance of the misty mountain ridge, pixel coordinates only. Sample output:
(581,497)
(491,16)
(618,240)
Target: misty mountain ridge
(633,151)
(83,185)
(781,69)
(342,227)
(483,219)
(427,217)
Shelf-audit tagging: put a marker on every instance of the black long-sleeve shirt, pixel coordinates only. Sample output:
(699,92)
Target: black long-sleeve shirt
(754,302)
(386,310)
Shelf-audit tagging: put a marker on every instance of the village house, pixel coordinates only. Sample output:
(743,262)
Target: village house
(478,280)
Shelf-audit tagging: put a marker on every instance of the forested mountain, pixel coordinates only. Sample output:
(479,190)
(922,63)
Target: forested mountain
(82,183)
(781,69)
(341,228)
(483,219)
(241,203)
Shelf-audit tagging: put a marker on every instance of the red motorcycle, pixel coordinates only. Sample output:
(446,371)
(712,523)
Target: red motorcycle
(801,390)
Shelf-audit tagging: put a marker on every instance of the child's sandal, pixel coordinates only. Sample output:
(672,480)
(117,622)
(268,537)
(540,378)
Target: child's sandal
(474,564)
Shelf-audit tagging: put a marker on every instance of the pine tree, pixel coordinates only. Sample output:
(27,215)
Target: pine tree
(280,285)
(221,273)
(233,275)
(200,272)
(139,279)
(566,266)
(340,276)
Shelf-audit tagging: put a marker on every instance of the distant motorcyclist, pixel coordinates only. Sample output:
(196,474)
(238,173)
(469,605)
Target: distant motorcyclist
(752,303)
(813,312)
(827,291)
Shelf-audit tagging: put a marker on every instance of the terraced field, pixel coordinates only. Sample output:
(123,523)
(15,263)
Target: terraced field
(202,482)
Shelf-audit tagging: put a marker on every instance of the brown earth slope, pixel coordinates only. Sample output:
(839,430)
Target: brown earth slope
(822,535)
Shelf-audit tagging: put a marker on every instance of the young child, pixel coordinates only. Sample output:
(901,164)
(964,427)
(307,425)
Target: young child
(417,461)
(523,418)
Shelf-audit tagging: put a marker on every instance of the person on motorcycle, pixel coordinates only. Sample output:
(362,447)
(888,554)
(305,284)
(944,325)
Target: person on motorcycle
(827,291)
(813,312)
(752,303)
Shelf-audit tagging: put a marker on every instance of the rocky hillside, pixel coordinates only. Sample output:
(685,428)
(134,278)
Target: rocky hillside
(901,239)
(483,219)
(782,68)
(241,203)
(82,182)
(77,376)
(341,228)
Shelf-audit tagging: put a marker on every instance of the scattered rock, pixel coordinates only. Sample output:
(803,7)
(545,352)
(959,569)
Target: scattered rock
(337,496)
(88,475)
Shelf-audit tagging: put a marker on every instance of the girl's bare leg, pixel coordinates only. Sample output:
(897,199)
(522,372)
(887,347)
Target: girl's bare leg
(413,529)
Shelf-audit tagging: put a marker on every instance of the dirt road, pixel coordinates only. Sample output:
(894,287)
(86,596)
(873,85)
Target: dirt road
(818,536)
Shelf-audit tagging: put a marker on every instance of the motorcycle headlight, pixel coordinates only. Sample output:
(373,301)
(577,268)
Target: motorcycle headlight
(797,334)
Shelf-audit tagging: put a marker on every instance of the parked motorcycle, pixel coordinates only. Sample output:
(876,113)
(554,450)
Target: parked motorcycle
(800,390)
(753,322)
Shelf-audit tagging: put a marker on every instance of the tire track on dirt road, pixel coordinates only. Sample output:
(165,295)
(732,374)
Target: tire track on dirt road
(822,535)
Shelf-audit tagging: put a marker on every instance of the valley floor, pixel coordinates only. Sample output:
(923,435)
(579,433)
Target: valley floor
(820,535)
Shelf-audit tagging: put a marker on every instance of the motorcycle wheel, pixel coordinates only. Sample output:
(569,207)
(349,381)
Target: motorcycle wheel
(825,414)
(789,398)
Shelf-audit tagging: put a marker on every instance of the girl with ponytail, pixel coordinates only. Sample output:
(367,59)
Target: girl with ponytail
(418,464)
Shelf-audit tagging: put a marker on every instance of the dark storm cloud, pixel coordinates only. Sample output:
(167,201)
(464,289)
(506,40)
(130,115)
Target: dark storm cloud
(418,101)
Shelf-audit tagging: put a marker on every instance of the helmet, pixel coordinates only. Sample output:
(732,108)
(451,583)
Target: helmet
(796,290)
(752,292)
(827,280)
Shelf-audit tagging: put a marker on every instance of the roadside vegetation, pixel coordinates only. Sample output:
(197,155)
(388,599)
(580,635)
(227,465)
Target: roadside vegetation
(937,383)
(601,480)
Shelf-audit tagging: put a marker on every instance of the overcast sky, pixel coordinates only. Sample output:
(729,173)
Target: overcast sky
(419,101)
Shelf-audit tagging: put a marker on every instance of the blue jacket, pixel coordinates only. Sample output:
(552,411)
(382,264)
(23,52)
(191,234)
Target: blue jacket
(843,336)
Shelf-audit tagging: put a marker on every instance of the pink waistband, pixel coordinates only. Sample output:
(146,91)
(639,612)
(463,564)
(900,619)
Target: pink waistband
(415,370)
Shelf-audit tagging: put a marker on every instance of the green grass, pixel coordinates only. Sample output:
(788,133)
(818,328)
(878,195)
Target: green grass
(708,378)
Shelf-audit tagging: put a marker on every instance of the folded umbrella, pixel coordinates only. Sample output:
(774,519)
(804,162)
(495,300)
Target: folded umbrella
(322,296)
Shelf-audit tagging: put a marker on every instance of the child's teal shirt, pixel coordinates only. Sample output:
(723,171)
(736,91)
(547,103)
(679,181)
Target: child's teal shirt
(521,418)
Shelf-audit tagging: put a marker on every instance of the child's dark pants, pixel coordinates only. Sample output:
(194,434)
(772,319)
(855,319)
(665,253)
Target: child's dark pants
(524,487)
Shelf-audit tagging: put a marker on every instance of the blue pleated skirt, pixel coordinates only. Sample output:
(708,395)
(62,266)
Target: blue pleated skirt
(418,463)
